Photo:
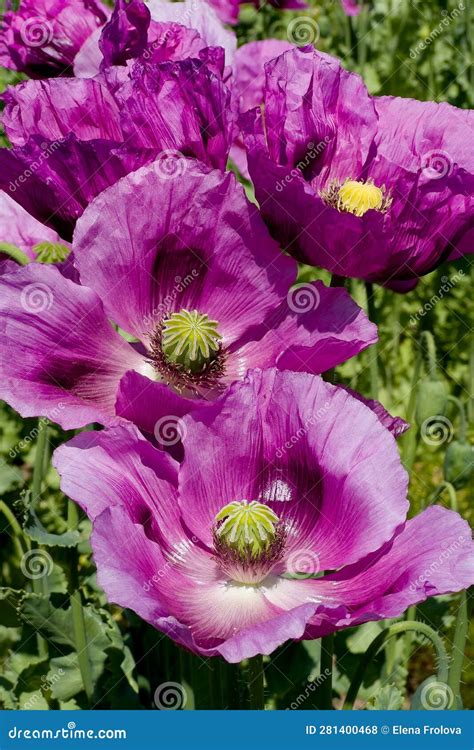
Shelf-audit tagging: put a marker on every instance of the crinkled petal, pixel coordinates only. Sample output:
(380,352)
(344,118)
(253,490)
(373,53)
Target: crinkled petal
(154,244)
(56,107)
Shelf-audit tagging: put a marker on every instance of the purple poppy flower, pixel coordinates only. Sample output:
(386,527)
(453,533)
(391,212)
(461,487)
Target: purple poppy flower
(74,138)
(165,254)
(284,480)
(43,37)
(379,189)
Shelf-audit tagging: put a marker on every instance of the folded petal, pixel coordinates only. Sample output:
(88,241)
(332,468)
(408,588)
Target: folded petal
(200,16)
(432,555)
(18,228)
(118,467)
(315,329)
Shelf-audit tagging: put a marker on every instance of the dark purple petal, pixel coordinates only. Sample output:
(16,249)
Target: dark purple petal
(60,356)
(55,180)
(125,35)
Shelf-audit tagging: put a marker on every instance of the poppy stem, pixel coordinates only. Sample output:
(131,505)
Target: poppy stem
(327,653)
(379,642)
(40,585)
(80,636)
(255,682)
(373,350)
(14,253)
(459,646)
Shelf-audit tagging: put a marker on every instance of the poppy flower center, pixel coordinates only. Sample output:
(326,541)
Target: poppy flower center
(190,339)
(356,197)
(249,540)
(51,252)
(186,350)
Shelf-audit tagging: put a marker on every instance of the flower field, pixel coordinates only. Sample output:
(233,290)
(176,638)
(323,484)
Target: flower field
(236,355)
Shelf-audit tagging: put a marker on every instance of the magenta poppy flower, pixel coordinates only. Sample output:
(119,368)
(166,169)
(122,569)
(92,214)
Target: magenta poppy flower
(284,480)
(182,262)
(43,37)
(74,138)
(374,188)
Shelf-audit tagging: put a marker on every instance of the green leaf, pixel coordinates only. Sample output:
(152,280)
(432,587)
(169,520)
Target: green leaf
(35,530)
(388,698)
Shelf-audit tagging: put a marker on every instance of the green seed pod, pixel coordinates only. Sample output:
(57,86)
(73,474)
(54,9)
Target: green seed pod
(432,399)
(459,463)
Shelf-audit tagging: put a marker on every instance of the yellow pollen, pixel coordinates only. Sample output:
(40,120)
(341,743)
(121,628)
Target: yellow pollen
(357,197)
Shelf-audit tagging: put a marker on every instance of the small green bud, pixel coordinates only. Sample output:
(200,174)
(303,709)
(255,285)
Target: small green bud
(432,399)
